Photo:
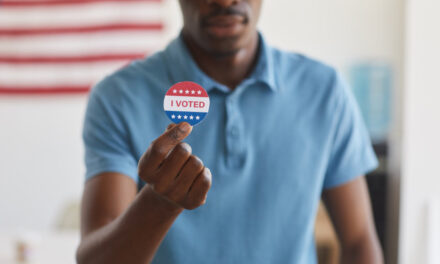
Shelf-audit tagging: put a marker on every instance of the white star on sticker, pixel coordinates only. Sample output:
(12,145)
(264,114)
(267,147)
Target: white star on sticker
(193,92)
(174,91)
(187,92)
(181,91)
(199,92)
(197,117)
(186,117)
(191,117)
(173,116)
(179,116)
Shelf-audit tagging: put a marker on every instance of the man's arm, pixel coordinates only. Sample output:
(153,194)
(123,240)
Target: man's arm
(350,210)
(120,226)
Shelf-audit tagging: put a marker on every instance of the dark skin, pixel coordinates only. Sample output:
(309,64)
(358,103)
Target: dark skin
(350,211)
(128,226)
(222,37)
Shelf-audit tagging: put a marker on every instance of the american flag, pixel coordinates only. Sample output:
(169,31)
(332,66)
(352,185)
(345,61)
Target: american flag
(65,46)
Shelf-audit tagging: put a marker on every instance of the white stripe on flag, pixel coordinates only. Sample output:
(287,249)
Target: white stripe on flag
(70,74)
(81,15)
(105,42)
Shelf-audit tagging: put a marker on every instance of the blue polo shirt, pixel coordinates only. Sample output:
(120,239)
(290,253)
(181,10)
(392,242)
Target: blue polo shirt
(286,133)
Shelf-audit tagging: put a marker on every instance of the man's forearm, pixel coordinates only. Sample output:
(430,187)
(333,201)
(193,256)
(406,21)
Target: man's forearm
(134,236)
(366,251)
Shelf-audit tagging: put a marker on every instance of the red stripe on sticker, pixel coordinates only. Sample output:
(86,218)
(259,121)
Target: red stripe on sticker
(187,88)
(14,32)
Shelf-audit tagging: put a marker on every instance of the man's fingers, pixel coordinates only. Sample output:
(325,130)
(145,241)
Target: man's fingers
(193,167)
(172,171)
(170,138)
(199,189)
(160,148)
(171,167)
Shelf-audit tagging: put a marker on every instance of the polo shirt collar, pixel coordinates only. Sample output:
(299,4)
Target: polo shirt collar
(264,71)
(184,67)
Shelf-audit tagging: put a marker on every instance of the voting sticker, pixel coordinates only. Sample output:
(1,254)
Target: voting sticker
(186,102)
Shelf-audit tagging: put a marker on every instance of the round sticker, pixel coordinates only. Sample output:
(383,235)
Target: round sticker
(186,102)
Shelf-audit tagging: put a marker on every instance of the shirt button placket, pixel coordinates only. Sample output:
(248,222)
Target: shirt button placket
(233,132)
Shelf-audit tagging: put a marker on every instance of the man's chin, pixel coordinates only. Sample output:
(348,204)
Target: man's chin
(224,49)
(225,46)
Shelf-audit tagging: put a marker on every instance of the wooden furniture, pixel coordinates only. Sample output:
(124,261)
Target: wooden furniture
(327,245)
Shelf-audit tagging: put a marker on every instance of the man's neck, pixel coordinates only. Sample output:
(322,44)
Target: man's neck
(230,69)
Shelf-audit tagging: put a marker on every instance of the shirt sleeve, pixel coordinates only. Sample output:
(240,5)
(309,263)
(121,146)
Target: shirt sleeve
(351,154)
(105,137)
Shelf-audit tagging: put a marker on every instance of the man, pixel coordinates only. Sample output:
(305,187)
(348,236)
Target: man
(282,131)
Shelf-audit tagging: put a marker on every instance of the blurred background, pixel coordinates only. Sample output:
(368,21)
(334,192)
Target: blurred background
(52,51)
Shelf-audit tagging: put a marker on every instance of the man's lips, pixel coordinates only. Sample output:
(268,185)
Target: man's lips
(224,21)
(225,26)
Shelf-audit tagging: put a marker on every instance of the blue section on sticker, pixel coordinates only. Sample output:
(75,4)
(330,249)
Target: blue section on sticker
(193,118)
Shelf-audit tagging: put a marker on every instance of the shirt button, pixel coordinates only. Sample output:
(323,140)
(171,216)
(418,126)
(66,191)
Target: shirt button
(234,131)
(231,101)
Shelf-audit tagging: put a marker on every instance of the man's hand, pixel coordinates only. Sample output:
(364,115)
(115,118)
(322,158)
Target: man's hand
(128,227)
(172,172)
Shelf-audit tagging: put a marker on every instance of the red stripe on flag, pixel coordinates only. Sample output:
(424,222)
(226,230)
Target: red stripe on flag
(11,3)
(45,90)
(154,26)
(71,59)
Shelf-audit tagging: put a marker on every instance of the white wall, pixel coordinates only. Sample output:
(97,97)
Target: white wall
(421,141)
(337,31)
(40,147)
(40,156)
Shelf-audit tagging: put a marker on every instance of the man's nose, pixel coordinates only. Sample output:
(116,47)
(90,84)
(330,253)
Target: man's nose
(223,3)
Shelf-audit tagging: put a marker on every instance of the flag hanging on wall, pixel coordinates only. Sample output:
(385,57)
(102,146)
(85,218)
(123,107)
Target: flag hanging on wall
(65,46)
